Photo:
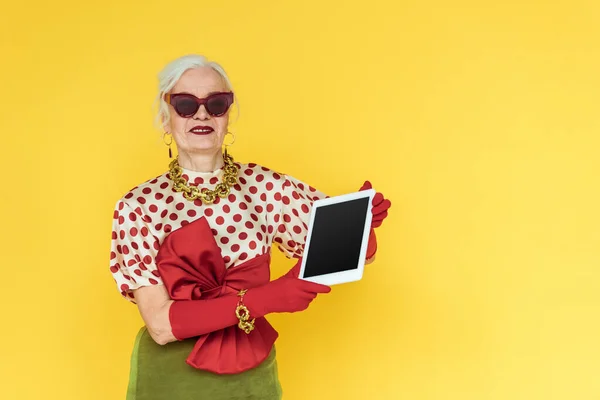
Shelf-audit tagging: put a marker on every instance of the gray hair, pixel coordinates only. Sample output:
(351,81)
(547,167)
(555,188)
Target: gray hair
(170,74)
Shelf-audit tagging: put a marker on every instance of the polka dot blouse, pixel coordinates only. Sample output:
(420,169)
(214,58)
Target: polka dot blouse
(263,209)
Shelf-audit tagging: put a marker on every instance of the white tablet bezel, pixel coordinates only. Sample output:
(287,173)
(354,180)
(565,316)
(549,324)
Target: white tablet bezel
(342,276)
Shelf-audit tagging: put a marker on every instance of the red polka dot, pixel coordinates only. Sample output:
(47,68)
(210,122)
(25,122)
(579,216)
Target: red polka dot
(121,219)
(254,217)
(114,268)
(252,165)
(146,190)
(286,200)
(312,189)
(220,220)
(269,186)
(270,207)
(214,232)
(153,281)
(214,180)
(243,206)
(237,187)
(260,178)
(278,196)
(158,196)
(247,198)
(305,208)
(124,287)
(129,195)
(226,259)
(127,277)
(295,195)
(231,229)
(113,255)
(122,234)
(191,213)
(297,229)
(259,236)
(237,218)
(277,217)
(156,273)
(121,205)
(198,181)
(278,240)
(252,245)
(270,229)
(146,245)
(153,208)
(198,203)
(164,185)
(276,175)
(208,212)
(243,256)
(156,245)
(258,209)
(146,218)
(137,272)
(184,223)
(263,228)
(287,218)
(173,217)
(114,235)
(253,189)
(226,208)
(217,200)
(158,226)
(295,212)
(142,266)
(224,240)
(291,244)
(133,231)
(131,262)
(180,206)
(164,213)
(242,180)
(248,172)
(231,198)
(115,214)
(249,225)
(168,228)
(281,228)
(235,247)
(286,183)
(243,236)
(169,199)
(141,200)
(147,259)
(263,197)
(125,249)
(144,231)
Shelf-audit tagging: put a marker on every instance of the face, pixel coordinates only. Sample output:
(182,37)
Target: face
(200,132)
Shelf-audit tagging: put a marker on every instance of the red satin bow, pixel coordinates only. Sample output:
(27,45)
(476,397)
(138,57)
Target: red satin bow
(192,268)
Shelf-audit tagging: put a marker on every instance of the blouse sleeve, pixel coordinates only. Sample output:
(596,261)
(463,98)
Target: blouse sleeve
(297,199)
(133,251)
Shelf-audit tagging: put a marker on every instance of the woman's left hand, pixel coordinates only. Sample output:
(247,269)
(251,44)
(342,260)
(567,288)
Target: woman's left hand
(380,206)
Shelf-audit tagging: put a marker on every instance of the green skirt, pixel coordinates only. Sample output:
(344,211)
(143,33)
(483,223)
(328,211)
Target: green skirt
(160,373)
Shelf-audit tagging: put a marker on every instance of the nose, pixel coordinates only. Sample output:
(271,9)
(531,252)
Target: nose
(202,114)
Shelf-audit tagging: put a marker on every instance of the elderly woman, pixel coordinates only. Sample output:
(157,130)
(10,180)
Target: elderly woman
(191,248)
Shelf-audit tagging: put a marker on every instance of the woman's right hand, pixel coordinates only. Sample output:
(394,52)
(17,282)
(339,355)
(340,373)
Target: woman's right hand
(286,294)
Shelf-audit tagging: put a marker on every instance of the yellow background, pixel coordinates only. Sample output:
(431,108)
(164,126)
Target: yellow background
(479,120)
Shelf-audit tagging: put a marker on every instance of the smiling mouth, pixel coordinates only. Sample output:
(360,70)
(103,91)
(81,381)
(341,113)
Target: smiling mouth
(201,130)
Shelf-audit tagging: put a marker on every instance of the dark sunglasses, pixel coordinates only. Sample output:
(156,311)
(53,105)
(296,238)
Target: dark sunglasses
(187,105)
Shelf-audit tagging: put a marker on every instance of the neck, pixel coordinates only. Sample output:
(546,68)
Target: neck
(201,162)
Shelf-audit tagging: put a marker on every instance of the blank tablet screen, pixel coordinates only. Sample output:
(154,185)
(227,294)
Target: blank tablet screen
(336,238)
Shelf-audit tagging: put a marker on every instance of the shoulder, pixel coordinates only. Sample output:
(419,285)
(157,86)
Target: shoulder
(139,195)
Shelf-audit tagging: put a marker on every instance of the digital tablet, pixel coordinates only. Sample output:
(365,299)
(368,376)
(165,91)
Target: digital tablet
(338,235)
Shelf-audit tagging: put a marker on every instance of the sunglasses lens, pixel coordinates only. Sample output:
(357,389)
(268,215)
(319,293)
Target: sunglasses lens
(185,106)
(218,104)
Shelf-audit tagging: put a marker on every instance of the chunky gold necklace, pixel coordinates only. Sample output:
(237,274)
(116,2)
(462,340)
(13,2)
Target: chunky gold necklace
(207,196)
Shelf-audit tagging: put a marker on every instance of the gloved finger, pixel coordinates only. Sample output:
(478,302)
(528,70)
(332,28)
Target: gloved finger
(315,287)
(382,207)
(295,271)
(367,185)
(377,199)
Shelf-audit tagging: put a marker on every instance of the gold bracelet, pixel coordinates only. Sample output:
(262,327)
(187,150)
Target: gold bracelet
(243,314)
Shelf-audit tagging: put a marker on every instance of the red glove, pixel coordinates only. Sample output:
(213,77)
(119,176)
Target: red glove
(380,212)
(286,294)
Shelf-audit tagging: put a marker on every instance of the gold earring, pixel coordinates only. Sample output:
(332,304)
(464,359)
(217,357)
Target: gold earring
(168,144)
(228,144)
